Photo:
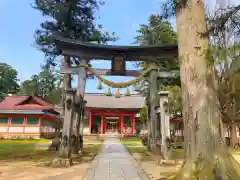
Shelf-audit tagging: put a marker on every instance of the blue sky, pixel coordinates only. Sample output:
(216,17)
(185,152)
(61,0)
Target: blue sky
(19,21)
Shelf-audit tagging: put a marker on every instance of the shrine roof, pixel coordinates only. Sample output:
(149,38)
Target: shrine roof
(78,48)
(26,103)
(96,100)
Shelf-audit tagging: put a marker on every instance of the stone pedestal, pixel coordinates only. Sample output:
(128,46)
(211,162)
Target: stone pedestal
(62,162)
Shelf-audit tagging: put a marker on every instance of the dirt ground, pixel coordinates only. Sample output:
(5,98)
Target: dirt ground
(26,172)
(150,163)
(154,169)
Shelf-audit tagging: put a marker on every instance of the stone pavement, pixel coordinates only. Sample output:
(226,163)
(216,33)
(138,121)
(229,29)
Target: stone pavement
(115,163)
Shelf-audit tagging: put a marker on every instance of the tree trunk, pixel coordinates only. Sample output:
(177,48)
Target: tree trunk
(206,155)
(234,124)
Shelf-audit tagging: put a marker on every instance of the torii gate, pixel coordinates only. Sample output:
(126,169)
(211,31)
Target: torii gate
(118,55)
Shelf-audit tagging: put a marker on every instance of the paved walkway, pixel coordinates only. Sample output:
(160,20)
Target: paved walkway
(115,163)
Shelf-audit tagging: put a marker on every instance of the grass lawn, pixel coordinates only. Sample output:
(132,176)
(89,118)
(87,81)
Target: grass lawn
(236,151)
(14,148)
(134,145)
(131,141)
(23,152)
(10,148)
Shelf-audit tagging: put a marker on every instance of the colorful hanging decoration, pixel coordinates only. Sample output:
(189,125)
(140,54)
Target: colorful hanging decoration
(108,92)
(117,94)
(99,85)
(127,93)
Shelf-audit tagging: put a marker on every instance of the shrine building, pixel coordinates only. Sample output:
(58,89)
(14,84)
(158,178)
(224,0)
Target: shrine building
(33,117)
(27,117)
(110,114)
(120,115)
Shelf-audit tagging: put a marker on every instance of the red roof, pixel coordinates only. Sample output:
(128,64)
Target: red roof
(25,103)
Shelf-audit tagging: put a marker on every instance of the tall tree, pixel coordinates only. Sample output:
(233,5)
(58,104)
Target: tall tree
(158,32)
(45,84)
(206,154)
(72,18)
(8,80)
(224,52)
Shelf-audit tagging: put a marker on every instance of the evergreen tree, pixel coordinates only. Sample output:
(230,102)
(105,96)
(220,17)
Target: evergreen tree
(45,84)
(8,80)
(159,32)
(73,18)
(206,156)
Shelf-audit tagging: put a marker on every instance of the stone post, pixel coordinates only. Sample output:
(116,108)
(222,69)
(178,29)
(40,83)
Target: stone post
(165,125)
(153,91)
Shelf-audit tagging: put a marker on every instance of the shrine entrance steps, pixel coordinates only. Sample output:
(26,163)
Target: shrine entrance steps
(114,163)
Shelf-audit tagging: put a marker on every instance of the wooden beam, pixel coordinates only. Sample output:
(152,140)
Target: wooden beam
(107,72)
(102,72)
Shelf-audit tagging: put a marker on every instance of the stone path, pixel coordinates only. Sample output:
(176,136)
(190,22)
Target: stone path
(115,163)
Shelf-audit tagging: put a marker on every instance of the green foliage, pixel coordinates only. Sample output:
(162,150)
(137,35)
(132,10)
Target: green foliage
(74,19)
(224,56)
(168,8)
(224,19)
(158,32)
(174,99)
(8,80)
(45,84)
(223,29)
(143,114)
